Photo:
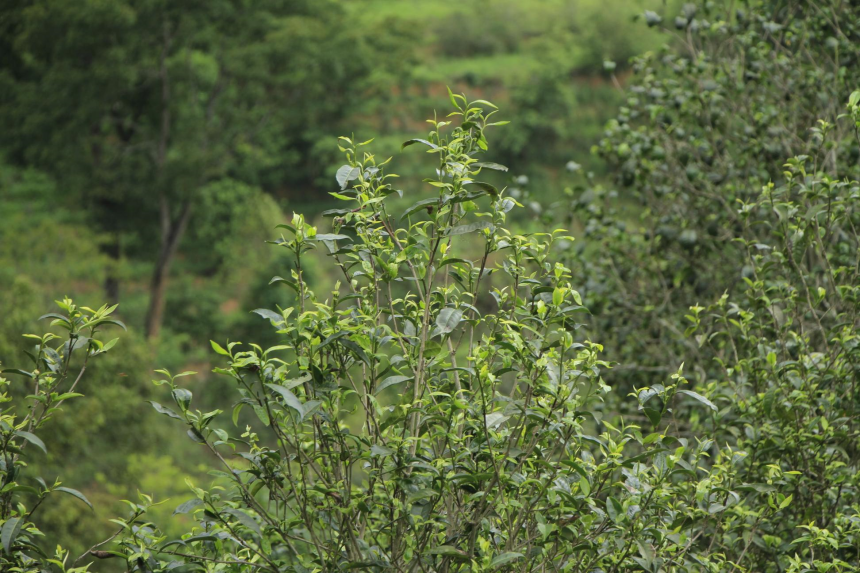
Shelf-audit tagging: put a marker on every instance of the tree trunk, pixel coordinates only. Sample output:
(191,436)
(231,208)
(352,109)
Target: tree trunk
(172,232)
(112,250)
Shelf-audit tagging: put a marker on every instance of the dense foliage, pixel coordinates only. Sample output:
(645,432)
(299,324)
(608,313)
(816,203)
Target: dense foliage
(437,384)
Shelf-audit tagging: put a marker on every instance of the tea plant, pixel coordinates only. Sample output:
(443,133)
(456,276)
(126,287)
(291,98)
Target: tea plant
(435,411)
(51,382)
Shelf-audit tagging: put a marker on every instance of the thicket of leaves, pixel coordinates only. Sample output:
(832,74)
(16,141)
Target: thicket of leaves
(441,408)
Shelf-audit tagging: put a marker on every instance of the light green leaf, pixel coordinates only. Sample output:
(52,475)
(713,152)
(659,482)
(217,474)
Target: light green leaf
(448,319)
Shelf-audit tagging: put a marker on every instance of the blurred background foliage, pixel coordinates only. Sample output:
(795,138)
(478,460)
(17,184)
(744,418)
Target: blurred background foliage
(150,147)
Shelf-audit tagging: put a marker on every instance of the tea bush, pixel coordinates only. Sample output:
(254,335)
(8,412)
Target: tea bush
(435,411)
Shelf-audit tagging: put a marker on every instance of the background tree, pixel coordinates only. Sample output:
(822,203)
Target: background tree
(174,98)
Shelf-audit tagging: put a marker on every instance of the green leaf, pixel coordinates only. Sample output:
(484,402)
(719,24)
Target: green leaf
(182,398)
(486,187)
(9,532)
(448,319)
(494,166)
(33,439)
(188,506)
(484,102)
(700,398)
(654,415)
(346,174)
(329,237)
(614,509)
(422,141)
(391,381)
(463,229)
(584,486)
(270,314)
(423,204)
(449,551)
(290,283)
(75,493)
(504,559)
(18,371)
(218,348)
(381,451)
(245,519)
(262,414)
(164,410)
(290,399)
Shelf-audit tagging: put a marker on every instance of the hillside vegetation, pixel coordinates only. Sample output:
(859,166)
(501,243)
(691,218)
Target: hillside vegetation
(598,312)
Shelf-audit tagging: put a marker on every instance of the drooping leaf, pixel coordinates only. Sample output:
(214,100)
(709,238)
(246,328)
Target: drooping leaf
(423,204)
(75,493)
(700,398)
(505,558)
(423,141)
(244,519)
(391,381)
(449,551)
(165,410)
(33,439)
(290,399)
(488,165)
(188,506)
(470,228)
(270,314)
